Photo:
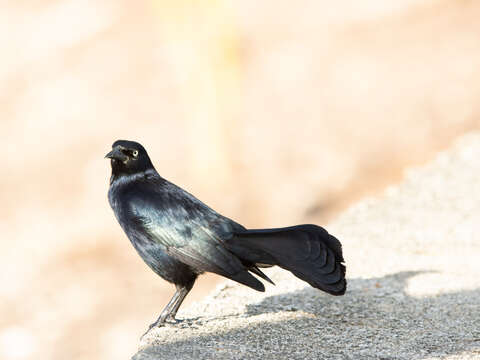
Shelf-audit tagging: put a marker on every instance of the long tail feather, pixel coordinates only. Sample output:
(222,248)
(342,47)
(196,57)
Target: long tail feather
(308,251)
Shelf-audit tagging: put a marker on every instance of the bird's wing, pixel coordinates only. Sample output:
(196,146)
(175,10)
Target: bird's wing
(192,233)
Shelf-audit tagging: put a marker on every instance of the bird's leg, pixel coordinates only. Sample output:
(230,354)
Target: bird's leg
(173,305)
(184,290)
(166,311)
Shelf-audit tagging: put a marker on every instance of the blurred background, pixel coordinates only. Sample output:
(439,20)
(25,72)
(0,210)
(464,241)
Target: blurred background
(272,112)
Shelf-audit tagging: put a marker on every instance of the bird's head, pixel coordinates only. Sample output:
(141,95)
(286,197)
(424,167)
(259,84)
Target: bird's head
(128,157)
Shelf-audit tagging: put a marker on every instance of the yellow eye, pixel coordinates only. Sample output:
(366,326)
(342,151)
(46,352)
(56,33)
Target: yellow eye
(135,153)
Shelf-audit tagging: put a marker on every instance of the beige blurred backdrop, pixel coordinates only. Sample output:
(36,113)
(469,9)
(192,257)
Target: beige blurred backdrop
(272,112)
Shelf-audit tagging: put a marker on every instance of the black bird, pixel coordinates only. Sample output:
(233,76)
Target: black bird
(179,237)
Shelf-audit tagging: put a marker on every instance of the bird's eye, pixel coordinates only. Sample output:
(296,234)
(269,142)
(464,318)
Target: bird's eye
(135,153)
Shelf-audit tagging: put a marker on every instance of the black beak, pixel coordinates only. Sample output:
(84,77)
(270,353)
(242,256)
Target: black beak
(117,154)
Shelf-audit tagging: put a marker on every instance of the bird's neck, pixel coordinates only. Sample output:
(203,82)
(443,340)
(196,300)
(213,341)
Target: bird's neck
(119,178)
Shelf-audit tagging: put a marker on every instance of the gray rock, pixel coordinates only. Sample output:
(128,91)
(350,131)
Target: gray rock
(413,265)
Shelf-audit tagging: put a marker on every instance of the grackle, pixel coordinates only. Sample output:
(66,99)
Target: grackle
(179,237)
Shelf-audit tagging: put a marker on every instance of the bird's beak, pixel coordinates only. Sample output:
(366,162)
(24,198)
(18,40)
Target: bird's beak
(117,154)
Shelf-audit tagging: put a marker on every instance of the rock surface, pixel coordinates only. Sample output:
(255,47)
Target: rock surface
(413,265)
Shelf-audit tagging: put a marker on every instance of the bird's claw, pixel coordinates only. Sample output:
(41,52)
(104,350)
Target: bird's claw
(169,320)
(148,330)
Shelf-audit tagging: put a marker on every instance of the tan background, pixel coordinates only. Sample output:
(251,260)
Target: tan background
(272,112)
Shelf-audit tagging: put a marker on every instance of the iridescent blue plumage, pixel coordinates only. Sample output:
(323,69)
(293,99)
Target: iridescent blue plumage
(180,237)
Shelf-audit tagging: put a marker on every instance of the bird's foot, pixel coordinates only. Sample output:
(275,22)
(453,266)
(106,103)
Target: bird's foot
(162,321)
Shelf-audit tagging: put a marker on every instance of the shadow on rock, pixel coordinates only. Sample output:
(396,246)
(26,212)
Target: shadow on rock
(377,319)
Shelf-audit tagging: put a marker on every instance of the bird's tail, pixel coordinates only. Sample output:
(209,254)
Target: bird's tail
(308,251)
